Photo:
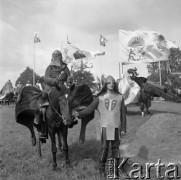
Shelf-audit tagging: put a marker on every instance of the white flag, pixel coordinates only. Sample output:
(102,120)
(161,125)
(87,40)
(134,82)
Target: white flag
(142,46)
(71,52)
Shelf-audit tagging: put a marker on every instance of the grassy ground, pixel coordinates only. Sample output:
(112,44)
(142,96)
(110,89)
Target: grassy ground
(20,161)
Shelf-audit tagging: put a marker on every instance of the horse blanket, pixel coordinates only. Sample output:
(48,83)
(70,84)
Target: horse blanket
(29,101)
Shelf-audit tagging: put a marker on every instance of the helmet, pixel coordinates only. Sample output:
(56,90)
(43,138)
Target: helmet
(56,53)
(110,79)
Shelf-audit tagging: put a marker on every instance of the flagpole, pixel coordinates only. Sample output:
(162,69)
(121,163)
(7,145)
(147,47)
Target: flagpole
(100,63)
(160,76)
(34,64)
(122,67)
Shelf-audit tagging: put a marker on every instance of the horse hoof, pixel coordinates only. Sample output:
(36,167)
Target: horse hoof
(60,149)
(67,161)
(81,141)
(33,140)
(67,165)
(54,167)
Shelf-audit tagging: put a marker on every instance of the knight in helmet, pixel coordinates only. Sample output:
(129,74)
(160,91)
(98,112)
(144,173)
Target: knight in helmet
(110,103)
(55,76)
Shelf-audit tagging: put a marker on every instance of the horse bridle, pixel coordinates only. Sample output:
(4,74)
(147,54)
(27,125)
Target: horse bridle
(60,115)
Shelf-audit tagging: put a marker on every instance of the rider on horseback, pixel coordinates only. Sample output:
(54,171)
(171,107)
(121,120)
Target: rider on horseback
(55,76)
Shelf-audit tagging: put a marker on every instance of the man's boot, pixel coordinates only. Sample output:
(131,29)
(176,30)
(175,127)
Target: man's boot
(102,164)
(43,133)
(37,121)
(115,155)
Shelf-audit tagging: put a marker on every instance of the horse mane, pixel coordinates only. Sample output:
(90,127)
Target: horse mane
(80,95)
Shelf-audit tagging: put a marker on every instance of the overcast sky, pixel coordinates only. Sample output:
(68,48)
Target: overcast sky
(82,21)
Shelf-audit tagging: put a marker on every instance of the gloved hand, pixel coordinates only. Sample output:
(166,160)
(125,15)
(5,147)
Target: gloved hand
(61,76)
(122,133)
(75,113)
(55,82)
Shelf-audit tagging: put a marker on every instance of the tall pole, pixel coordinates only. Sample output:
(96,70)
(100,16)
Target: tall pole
(122,67)
(160,75)
(100,63)
(33,64)
(82,67)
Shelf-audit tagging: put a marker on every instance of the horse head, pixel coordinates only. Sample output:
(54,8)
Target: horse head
(133,72)
(66,111)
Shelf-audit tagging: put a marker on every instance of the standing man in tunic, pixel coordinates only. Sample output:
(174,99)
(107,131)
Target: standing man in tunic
(110,104)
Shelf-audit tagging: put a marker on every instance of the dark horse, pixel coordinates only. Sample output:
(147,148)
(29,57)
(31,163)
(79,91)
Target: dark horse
(146,90)
(146,95)
(28,107)
(79,98)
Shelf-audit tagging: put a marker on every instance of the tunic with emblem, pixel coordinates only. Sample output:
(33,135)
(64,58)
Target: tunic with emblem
(112,114)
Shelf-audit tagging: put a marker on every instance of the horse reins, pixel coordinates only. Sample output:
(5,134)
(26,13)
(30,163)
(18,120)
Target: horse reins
(61,116)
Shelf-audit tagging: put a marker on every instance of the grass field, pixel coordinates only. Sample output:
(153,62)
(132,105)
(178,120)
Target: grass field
(19,159)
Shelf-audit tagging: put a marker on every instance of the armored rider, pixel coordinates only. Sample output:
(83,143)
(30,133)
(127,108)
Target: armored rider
(110,103)
(55,76)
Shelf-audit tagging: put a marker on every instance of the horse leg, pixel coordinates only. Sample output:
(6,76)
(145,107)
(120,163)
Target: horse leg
(84,123)
(33,137)
(59,140)
(142,109)
(65,144)
(54,148)
(148,104)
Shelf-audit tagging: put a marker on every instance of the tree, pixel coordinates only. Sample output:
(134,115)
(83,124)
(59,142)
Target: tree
(167,67)
(175,60)
(27,75)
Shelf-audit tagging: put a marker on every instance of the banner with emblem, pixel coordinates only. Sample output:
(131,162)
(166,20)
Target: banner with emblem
(142,46)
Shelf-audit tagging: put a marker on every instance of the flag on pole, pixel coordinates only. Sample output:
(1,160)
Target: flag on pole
(81,65)
(36,38)
(72,52)
(103,41)
(172,44)
(78,55)
(142,46)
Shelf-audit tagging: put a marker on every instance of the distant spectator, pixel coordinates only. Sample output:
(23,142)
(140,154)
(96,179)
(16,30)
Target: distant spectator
(19,85)
(28,84)
(38,85)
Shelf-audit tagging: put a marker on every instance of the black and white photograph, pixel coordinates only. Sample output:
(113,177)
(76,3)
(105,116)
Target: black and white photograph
(90,89)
